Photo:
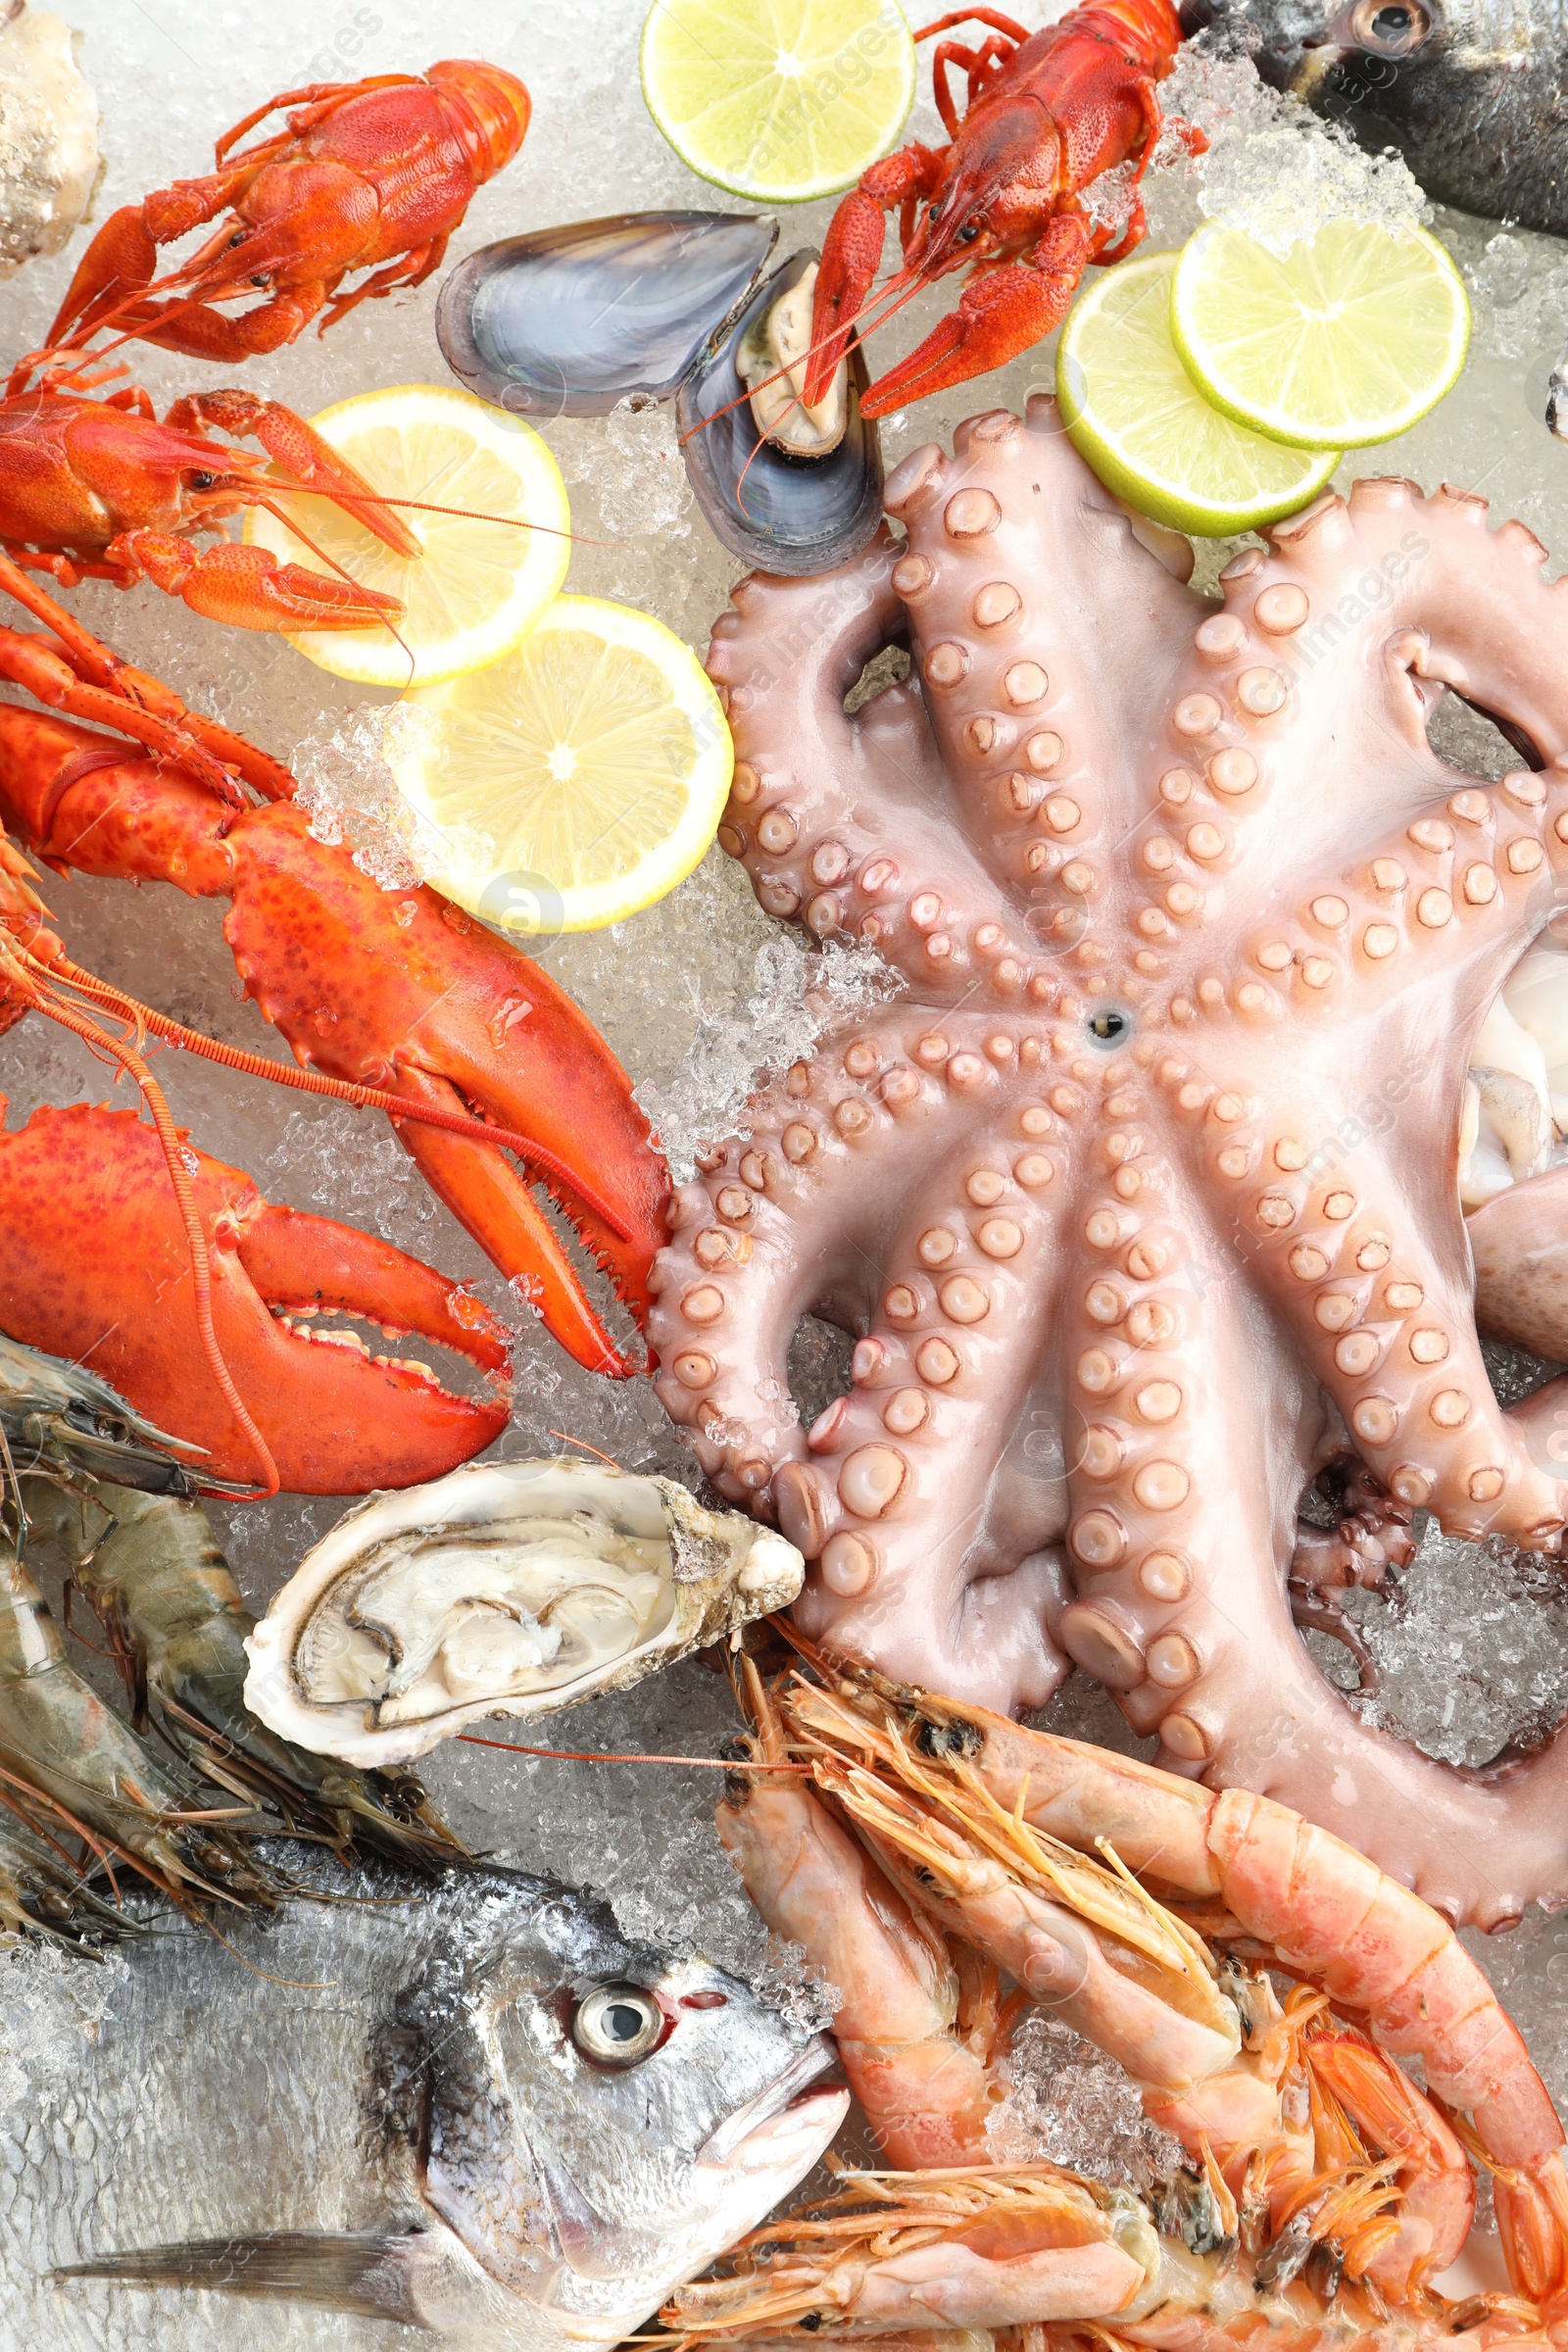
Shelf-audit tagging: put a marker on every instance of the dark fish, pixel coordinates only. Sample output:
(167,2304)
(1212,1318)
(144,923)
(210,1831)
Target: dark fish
(479,2109)
(1473,93)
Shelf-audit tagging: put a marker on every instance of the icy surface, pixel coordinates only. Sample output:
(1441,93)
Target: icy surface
(1271,167)
(1068,2103)
(798,994)
(701,992)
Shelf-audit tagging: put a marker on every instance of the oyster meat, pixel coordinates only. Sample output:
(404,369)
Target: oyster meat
(49,160)
(796,505)
(505,1589)
(770,359)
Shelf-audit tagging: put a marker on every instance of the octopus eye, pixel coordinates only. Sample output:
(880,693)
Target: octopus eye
(617,2024)
(1388,27)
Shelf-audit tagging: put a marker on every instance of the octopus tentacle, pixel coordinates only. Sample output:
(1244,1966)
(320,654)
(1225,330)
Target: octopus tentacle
(1382,1322)
(1184,888)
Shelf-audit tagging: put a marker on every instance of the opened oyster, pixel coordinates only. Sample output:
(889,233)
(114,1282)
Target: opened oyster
(49,160)
(505,1589)
(571,321)
(770,360)
(793,505)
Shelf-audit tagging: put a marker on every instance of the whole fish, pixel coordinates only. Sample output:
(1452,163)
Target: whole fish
(478,2109)
(1471,92)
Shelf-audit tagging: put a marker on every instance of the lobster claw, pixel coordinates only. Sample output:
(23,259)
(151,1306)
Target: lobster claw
(430,1005)
(398,990)
(95,1266)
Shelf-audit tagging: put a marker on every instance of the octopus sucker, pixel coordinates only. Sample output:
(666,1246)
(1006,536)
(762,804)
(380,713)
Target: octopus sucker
(1199,935)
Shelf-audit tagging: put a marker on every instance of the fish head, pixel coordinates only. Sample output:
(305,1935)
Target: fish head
(598,2117)
(1296,45)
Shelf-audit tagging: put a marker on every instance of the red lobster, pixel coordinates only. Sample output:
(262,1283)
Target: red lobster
(101,489)
(399,992)
(371,174)
(170,1276)
(1045,115)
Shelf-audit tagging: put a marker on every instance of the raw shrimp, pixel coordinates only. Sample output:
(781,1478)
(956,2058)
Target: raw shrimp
(1306,2131)
(978,2261)
(150,1566)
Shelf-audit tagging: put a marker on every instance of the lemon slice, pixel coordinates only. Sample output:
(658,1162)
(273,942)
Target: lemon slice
(1349,338)
(779,100)
(1133,414)
(480,585)
(572,783)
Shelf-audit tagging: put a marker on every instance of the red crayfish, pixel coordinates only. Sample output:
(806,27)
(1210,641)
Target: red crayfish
(1045,115)
(103,489)
(371,174)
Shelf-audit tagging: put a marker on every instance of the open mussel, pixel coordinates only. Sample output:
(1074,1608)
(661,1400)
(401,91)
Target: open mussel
(763,496)
(504,1589)
(571,321)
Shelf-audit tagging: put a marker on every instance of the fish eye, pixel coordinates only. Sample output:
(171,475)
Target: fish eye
(1389,27)
(615,2025)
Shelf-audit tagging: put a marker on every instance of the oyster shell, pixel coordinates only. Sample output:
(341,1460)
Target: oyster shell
(770,360)
(787,514)
(50,165)
(504,1589)
(569,322)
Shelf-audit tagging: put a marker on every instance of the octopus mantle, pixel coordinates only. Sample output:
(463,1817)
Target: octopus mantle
(1141,1201)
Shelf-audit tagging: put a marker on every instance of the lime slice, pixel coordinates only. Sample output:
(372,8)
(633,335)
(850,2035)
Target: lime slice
(779,100)
(479,584)
(1349,338)
(572,783)
(1134,414)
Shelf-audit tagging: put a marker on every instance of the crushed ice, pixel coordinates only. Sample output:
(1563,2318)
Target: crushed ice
(635,470)
(1272,167)
(347,791)
(1068,2103)
(50,2004)
(797,993)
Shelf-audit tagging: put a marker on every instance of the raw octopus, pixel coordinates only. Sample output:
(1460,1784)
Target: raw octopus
(1142,1201)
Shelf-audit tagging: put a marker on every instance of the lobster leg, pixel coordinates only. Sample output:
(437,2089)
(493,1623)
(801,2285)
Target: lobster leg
(851,250)
(45,672)
(131,700)
(997,316)
(247,587)
(974,64)
(411,271)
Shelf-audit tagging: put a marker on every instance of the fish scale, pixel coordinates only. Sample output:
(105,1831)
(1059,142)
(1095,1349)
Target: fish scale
(436,2152)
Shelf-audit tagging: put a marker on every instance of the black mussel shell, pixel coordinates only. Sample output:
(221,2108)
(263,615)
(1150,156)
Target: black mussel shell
(788,515)
(569,322)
